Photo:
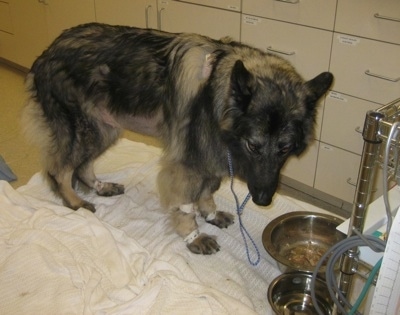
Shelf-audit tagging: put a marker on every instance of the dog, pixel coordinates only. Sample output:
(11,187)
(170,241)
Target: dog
(201,97)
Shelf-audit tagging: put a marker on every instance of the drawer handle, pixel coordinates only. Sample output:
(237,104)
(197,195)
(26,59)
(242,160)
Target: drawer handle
(159,17)
(389,18)
(358,129)
(146,14)
(379,76)
(289,1)
(350,182)
(287,53)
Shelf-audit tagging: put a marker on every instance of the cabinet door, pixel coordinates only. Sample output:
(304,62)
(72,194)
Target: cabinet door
(374,19)
(316,13)
(139,13)
(62,14)
(302,169)
(337,172)
(5,17)
(177,17)
(365,68)
(343,121)
(29,33)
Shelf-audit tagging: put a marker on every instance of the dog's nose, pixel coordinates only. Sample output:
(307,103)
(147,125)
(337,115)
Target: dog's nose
(262,199)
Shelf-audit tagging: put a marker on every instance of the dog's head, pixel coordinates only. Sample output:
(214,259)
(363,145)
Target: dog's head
(269,117)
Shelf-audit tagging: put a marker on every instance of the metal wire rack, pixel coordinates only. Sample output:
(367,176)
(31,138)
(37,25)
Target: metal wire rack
(381,134)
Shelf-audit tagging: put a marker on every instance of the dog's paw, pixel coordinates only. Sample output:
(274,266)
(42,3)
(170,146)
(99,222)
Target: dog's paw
(221,219)
(204,244)
(84,204)
(109,189)
(89,206)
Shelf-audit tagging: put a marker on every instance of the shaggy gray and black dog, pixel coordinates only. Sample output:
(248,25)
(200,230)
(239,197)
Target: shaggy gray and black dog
(201,97)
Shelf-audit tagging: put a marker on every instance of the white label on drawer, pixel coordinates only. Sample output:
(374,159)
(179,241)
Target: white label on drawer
(348,40)
(326,147)
(337,96)
(251,20)
(233,7)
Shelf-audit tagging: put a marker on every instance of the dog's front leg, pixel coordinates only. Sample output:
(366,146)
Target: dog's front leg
(179,187)
(208,210)
(186,226)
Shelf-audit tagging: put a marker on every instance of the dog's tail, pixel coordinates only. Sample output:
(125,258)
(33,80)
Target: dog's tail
(34,126)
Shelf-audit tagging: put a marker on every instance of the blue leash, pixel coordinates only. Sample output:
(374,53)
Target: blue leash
(239,210)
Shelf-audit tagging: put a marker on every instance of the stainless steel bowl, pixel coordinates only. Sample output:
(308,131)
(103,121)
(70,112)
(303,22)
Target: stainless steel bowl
(297,240)
(290,294)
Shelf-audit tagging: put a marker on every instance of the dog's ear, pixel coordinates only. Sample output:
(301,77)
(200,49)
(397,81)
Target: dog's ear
(241,85)
(317,87)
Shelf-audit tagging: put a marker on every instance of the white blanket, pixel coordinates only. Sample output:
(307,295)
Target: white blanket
(125,258)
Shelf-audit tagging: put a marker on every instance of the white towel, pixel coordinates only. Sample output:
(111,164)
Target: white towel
(125,258)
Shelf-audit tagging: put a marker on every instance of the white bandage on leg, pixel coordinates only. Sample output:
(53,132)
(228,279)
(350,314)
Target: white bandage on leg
(192,236)
(187,208)
(98,185)
(211,216)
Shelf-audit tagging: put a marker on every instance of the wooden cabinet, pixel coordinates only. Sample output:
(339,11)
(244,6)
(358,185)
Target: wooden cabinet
(365,62)
(36,23)
(375,19)
(139,13)
(314,13)
(5,17)
(337,172)
(232,5)
(343,122)
(308,49)
(61,15)
(177,16)
(26,35)
(365,68)
(358,41)
(302,168)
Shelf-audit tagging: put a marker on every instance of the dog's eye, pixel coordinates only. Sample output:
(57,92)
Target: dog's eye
(285,149)
(253,148)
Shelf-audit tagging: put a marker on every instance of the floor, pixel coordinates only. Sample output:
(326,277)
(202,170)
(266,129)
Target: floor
(23,158)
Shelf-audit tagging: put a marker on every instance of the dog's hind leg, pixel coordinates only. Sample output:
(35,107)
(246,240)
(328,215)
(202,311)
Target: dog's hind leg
(86,174)
(63,185)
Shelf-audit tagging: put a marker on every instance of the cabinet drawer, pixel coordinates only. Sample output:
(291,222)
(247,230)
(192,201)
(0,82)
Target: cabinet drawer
(374,19)
(125,12)
(343,115)
(316,13)
(233,5)
(308,49)
(366,68)
(302,168)
(177,16)
(336,169)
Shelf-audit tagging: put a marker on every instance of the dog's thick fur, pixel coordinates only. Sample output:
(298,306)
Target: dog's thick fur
(201,97)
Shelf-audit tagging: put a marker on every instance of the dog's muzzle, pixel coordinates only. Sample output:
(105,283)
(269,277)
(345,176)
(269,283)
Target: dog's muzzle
(262,195)
(262,199)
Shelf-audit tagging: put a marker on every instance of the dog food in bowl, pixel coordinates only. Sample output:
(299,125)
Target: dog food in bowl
(297,240)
